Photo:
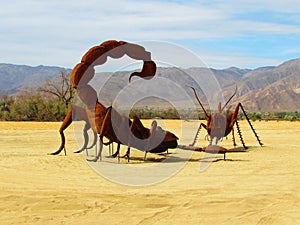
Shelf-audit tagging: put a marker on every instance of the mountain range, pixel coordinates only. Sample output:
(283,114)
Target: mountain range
(14,78)
(272,88)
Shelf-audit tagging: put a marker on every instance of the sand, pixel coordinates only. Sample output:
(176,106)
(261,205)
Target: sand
(260,186)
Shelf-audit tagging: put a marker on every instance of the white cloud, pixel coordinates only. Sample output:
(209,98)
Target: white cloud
(137,19)
(224,60)
(68,27)
(246,6)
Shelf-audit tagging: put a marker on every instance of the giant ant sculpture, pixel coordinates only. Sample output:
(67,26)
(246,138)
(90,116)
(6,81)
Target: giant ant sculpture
(220,124)
(99,118)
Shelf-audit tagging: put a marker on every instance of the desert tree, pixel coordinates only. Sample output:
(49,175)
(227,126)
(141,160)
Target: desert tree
(59,87)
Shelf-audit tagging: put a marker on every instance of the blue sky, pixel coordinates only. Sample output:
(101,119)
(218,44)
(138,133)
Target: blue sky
(246,34)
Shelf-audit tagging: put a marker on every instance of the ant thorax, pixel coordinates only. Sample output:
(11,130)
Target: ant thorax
(218,125)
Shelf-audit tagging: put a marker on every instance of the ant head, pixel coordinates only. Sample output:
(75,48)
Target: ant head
(220,108)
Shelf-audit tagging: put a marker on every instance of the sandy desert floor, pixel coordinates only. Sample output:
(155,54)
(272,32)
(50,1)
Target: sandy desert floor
(260,186)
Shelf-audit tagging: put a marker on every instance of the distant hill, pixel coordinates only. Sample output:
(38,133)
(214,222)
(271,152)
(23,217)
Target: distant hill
(274,88)
(15,77)
(271,88)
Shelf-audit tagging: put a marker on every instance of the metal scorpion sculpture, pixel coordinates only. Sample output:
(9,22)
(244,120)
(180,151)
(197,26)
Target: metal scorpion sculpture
(220,124)
(99,118)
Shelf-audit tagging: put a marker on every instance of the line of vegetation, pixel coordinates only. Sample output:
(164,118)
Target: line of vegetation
(34,107)
(31,108)
(52,101)
(49,102)
(189,114)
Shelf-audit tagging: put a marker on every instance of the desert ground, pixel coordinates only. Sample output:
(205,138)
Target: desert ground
(259,186)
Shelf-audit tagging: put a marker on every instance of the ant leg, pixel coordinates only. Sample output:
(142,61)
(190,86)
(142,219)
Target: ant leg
(197,134)
(252,128)
(233,138)
(240,134)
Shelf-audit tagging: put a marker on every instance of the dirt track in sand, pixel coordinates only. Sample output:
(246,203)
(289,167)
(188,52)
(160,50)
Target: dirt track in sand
(260,186)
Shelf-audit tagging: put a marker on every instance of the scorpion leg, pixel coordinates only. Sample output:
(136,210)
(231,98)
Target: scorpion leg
(99,155)
(67,121)
(86,139)
(117,153)
(95,140)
